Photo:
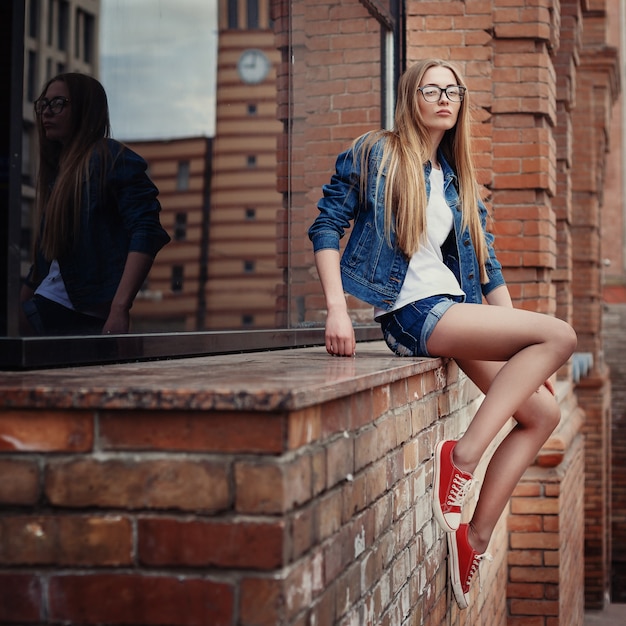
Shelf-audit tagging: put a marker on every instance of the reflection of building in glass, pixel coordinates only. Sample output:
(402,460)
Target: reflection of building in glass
(242,272)
(219,198)
(59,36)
(174,296)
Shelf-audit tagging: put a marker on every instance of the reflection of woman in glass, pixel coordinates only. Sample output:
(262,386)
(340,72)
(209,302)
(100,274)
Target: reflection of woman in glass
(419,252)
(99,217)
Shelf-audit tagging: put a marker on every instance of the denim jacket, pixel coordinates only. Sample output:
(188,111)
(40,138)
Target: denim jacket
(123,219)
(372,270)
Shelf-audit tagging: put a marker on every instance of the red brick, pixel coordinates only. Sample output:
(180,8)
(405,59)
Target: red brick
(140,600)
(323,610)
(525,523)
(241,544)
(525,590)
(534,574)
(339,460)
(305,581)
(534,607)
(261,602)
(302,531)
(223,432)
(527,620)
(335,416)
(20,482)
(46,431)
(526,557)
(304,426)
(66,540)
(272,488)
(20,599)
(524,541)
(190,484)
(534,505)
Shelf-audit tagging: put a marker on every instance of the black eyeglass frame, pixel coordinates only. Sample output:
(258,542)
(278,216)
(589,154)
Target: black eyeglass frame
(462,90)
(58,102)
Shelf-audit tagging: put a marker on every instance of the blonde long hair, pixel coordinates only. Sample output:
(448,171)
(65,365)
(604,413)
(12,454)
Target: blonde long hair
(64,169)
(406,149)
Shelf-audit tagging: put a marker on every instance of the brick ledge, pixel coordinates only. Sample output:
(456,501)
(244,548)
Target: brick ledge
(259,381)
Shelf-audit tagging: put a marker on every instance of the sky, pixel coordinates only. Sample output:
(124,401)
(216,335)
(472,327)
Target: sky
(158,67)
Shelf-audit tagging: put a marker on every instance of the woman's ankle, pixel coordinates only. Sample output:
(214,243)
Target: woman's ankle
(477,541)
(461,462)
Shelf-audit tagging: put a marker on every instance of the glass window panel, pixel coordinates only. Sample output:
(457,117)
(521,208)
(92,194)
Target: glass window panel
(223,90)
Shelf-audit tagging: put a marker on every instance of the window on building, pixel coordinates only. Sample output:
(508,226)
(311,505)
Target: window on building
(253,14)
(33,18)
(252,109)
(249,267)
(50,23)
(88,38)
(78,24)
(250,214)
(251,160)
(63,25)
(247,320)
(31,76)
(180,227)
(233,15)
(182,176)
(177,278)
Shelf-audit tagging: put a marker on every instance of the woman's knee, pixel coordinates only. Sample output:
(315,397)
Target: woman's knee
(565,337)
(540,411)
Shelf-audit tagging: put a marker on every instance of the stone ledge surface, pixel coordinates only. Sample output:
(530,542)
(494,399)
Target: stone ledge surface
(259,381)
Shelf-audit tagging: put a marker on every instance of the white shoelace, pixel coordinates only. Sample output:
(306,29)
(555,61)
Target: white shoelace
(459,490)
(477,562)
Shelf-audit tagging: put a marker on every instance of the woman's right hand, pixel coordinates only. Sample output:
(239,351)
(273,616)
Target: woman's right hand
(340,340)
(339,334)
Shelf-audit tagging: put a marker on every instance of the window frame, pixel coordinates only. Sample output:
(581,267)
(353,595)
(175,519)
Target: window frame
(17,352)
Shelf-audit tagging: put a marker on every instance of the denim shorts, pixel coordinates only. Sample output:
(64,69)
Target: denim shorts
(407,329)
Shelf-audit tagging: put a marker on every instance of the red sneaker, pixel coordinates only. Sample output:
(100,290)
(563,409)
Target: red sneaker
(463,563)
(450,486)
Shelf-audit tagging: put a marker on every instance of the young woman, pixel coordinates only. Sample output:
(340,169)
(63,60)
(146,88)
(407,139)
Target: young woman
(419,252)
(98,214)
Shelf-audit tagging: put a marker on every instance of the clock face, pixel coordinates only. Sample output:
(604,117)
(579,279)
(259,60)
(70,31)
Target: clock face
(253,66)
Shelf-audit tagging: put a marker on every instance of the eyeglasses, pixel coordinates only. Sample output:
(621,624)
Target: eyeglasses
(432,93)
(56,105)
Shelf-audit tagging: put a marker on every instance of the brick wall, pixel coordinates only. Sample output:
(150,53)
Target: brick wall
(544,80)
(613,246)
(615,346)
(308,504)
(597,86)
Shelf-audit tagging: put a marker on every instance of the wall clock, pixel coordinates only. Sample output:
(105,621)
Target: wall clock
(253,66)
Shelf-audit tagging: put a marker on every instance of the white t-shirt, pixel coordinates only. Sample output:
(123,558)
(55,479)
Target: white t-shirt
(53,288)
(427,274)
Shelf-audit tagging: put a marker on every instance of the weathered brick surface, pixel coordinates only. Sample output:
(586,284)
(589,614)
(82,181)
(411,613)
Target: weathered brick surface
(180,483)
(66,540)
(39,431)
(142,600)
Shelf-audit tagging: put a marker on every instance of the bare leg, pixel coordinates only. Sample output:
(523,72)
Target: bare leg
(530,348)
(536,419)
